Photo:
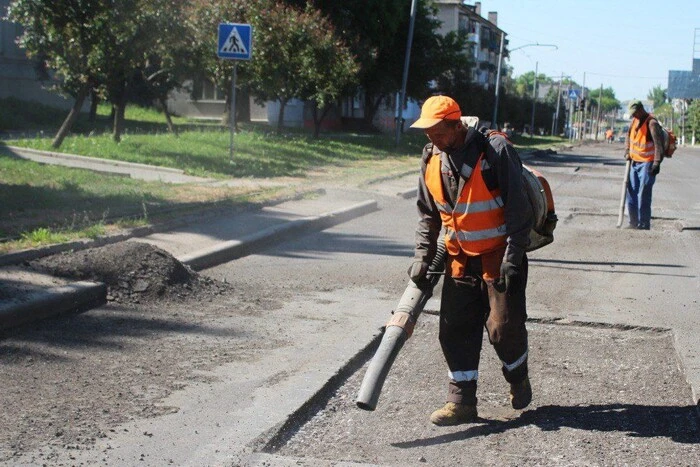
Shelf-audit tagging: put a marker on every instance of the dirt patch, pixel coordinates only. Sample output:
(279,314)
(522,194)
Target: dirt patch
(134,272)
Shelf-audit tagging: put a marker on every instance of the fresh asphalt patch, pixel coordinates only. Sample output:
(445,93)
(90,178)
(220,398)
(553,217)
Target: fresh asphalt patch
(602,396)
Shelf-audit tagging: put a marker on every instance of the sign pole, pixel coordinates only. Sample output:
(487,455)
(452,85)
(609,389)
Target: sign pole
(235,42)
(232,116)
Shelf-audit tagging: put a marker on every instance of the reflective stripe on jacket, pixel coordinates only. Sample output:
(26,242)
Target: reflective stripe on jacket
(641,144)
(476,224)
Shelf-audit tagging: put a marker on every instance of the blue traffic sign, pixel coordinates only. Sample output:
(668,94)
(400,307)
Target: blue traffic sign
(573,94)
(235,41)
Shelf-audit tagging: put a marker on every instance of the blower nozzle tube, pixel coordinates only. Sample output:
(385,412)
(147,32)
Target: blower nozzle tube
(397,331)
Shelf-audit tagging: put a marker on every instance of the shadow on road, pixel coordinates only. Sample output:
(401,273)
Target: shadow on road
(679,424)
(578,265)
(103,330)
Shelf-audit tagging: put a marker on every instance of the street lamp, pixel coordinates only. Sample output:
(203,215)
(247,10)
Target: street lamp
(498,73)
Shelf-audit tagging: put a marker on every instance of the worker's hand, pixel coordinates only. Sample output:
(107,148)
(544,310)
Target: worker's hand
(510,273)
(655,168)
(418,273)
(627,154)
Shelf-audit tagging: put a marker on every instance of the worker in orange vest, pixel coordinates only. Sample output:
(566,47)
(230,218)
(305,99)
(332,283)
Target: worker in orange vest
(645,149)
(474,189)
(609,135)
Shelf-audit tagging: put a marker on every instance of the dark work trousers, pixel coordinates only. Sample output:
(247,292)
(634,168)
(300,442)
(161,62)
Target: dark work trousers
(468,305)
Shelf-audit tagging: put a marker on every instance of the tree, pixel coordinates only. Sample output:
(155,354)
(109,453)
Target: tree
(376,33)
(171,59)
(455,81)
(97,43)
(525,82)
(297,56)
(693,117)
(65,36)
(330,71)
(135,31)
(657,95)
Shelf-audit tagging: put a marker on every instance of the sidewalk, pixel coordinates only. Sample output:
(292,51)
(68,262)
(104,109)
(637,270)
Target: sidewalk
(131,169)
(26,295)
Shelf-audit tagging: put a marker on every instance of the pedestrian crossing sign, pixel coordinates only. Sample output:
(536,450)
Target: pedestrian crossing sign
(235,41)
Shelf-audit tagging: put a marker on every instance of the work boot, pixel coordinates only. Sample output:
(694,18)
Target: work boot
(454,414)
(521,394)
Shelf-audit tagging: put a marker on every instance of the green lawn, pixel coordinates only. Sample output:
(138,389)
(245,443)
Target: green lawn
(44,204)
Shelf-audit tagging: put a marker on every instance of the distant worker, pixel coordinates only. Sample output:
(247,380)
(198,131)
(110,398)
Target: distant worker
(473,187)
(609,135)
(645,148)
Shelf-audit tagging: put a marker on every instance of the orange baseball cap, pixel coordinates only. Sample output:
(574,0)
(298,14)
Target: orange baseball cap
(437,109)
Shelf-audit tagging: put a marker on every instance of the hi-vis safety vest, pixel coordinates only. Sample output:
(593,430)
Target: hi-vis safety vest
(641,144)
(476,224)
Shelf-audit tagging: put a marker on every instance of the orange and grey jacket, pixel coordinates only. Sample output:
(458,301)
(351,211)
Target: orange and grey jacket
(477,193)
(475,224)
(642,138)
(641,143)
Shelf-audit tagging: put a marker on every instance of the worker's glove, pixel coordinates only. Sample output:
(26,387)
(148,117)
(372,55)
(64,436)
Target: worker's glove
(655,168)
(627,154)
(418,272)
(510,273)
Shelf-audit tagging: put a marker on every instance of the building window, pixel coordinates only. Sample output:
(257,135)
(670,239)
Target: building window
(205,90)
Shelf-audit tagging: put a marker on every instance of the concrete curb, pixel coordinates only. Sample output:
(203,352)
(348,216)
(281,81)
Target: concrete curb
(407,194)
(93,160)
(18,257)
(74,297)
(227,251)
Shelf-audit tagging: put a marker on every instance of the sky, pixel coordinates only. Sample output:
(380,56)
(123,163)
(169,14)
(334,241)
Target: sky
(627,45)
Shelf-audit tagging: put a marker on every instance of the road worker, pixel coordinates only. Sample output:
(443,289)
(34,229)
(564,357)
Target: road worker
(645,148)
(473,188)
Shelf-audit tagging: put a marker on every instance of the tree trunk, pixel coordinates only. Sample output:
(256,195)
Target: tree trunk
(242,105)
(280,119)
(94,100)
(371,106)
(171,128)
(226,117)
(118,128)
(318,119)
(70,119)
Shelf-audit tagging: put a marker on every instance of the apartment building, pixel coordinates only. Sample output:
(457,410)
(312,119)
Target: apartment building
(484,36)
(20,77)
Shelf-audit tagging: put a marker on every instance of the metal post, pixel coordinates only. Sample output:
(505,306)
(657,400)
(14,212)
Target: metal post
(571,116)
(597,119)
(555,124)
(534,99)
(407,59)
(583,109)
(498,82)
(232,116)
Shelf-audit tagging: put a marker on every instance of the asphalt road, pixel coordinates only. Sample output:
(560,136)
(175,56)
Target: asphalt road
(306,307)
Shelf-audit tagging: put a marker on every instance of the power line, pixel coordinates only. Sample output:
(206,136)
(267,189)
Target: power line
(627,76)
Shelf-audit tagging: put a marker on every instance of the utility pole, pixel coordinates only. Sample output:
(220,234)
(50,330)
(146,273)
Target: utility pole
(556,115)
(498,82)
(534,100)
(402,96)
(583,108)
(597,119)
